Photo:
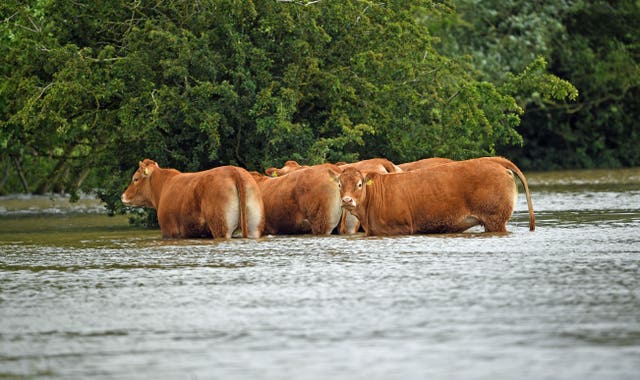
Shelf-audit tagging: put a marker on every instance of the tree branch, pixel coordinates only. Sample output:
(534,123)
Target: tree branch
(298,2)
(23,179)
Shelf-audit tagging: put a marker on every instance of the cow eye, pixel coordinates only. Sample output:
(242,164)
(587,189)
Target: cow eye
(359,185)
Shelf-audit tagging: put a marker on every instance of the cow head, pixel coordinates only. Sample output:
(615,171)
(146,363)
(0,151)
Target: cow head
(139,191)
(289,166)
(353,186)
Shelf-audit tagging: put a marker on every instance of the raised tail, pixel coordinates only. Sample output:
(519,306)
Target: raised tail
(511,166)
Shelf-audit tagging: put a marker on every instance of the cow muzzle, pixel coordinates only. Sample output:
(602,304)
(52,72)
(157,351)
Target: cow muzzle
(348,202)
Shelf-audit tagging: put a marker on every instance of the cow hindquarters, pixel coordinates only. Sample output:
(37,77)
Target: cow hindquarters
(230,221)
(499,209)
(249,217)
(324,219)
(221,211)
(254,211)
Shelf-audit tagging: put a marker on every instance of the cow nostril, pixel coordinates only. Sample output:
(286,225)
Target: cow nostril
(347,200)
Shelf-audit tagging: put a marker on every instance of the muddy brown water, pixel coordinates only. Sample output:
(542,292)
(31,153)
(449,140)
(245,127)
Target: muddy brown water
(84,295)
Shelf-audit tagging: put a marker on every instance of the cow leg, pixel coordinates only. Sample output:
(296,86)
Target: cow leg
(255,222)
(231,220)
(321,227)
(495,226)
(218,228)
(225,218)
(325,221)
(459,224)
(169,227)
(324,225)
(255,215)
(497,220)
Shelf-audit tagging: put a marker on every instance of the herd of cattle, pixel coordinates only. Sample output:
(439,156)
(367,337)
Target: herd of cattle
(433,195)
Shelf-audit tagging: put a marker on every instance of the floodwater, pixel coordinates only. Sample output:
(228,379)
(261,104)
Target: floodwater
(84,295)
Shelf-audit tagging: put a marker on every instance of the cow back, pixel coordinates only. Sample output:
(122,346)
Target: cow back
(425,163)
(303,201)
(373,165)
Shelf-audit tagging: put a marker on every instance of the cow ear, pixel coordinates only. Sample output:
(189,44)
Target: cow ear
(368,179)
(333,176)
(145,168)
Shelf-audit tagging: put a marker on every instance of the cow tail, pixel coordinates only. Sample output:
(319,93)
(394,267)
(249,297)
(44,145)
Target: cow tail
(242,195)
(390,167)
(511,166)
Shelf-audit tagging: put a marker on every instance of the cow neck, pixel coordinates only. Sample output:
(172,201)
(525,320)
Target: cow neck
(157,180)
(373,201)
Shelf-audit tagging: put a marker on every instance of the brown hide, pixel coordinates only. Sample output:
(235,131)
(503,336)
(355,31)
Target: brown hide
(373,165)
(447,198)
(350,224)
(288,167)
(303,201)
(423,164)
(211,203)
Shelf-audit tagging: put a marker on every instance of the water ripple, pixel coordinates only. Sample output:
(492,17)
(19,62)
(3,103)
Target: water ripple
(85,297)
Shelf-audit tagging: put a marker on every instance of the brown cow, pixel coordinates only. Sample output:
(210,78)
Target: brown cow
(350,224)
(447,198)
(211,203)
(303,201)
(425,163)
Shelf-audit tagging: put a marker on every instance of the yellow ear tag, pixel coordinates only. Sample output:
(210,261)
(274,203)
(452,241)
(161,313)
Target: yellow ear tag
(369,182)
(146,171)
(274,174)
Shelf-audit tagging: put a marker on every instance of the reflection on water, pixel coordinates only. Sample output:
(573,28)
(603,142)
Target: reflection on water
(83,295)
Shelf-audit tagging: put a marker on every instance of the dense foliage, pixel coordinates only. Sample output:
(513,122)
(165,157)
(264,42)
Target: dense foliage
(594,44)
(89,89)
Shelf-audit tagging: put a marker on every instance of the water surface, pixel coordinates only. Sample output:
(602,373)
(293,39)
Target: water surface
(83,295)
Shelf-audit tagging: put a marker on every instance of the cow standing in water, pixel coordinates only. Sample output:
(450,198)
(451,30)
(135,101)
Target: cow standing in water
(303,201)
(349,224)
(446,198)
(211,203)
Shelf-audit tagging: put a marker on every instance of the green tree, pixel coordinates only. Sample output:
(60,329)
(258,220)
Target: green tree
(90,89)
(592,44)
(598,51)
